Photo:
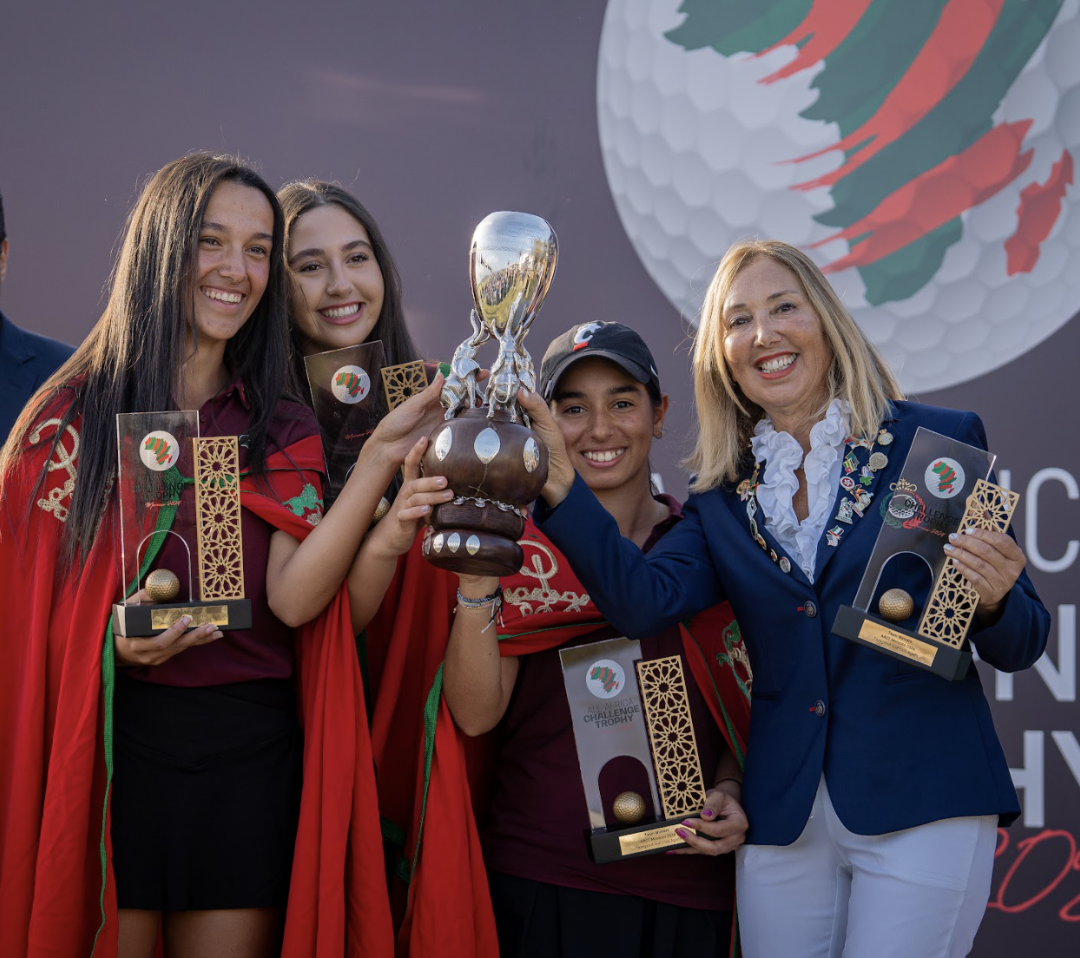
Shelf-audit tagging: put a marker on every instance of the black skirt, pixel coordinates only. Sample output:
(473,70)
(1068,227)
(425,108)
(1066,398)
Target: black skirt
(538,920)
(206,794)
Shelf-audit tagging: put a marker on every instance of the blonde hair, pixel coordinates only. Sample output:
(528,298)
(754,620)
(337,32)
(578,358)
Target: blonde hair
(726,418)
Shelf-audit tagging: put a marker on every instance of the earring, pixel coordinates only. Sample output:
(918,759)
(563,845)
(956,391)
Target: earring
(658,433)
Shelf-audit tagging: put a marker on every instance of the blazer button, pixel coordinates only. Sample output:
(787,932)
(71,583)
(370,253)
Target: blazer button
(819,708)
(810,609)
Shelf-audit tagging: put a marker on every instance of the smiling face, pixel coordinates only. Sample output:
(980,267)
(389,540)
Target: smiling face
(774,344)
(338,281)
(608,421)
(232,263)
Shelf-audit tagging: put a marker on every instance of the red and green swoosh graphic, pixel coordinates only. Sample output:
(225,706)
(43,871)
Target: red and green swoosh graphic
(913,87)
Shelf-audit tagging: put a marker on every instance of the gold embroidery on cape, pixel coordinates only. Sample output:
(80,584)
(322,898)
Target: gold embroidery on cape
(57,497)
(951,605)
(545,597)
(217,517)
(671,735)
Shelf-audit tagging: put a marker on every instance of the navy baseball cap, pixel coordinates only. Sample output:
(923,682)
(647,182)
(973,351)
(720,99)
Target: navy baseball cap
(612,341)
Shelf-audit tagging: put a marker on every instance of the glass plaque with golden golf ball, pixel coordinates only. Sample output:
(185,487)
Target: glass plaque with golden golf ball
(160,454)
(913,604)
(633,714)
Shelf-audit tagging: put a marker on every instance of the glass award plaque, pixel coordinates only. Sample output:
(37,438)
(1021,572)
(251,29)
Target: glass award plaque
(634,713)
(156,452)
(912,603)
(347,405)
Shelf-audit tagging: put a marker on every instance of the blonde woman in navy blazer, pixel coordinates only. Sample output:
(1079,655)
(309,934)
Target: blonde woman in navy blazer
(874,789)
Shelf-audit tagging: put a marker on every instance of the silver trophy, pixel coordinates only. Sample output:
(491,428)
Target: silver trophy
(494,462)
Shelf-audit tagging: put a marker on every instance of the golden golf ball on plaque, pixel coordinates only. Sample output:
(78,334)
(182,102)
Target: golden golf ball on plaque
(628,808)
(162,585)
(895,605)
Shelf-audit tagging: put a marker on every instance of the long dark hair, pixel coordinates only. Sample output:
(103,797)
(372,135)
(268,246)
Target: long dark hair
(133,359)
(303,195)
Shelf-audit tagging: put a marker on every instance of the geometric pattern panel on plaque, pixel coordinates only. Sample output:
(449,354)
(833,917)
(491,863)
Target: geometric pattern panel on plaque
(403,381)
(217,518)
(949,610)
(346,405)
(671,735)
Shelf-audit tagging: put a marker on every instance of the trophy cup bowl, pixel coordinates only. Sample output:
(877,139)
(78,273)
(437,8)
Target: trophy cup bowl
(494,463)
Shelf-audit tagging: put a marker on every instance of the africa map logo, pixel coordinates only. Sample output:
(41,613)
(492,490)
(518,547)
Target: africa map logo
(605,678)
(158,450)
(350,384)
(923,152)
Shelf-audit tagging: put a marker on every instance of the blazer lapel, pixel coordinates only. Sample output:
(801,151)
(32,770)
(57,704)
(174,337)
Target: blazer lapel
(865,458)
(753,520)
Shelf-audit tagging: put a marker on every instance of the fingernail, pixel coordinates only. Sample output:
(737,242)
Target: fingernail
(186,620)
(525,392)
(950,548)
(969,530)
(952,536)
(685,822)
(707,813)
(440,481)
(682,833)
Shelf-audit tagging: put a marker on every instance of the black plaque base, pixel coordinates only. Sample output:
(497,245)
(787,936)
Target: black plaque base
(902,644)
(139,621)
(634,841)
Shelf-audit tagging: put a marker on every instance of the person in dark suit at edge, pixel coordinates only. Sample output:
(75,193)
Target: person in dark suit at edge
(26,359)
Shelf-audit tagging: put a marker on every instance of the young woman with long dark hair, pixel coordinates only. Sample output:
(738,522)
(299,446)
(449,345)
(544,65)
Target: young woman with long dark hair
(199,820)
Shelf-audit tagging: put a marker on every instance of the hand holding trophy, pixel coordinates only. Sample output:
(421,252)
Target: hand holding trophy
(494,463)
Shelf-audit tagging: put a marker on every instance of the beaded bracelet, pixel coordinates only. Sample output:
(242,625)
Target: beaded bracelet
(495,600)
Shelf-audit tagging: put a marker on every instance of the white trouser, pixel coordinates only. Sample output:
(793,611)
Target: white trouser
(917,893)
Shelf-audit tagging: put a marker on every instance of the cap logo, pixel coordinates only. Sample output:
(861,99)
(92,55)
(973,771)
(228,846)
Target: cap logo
(584,335)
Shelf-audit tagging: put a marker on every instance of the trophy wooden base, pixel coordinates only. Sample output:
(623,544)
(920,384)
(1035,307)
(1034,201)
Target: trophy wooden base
(140,621)
(903,644)
(472,552)
(634,841)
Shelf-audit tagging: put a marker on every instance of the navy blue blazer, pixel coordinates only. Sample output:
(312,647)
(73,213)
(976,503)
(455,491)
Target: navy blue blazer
(26,361)
(899,746)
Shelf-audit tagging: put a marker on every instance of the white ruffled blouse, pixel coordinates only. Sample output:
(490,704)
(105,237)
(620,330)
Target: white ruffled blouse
(782,455)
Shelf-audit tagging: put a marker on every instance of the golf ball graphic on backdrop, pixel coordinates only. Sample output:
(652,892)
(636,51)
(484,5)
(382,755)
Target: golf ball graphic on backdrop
(922,152)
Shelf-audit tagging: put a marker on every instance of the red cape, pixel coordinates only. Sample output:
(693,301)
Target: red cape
(428,769)
(57,893)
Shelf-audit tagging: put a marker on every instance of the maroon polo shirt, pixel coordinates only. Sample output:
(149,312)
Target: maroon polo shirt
(538,817)
(265,651)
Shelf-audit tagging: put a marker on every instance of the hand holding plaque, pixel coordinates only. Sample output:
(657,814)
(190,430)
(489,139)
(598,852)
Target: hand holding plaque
(494,463)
